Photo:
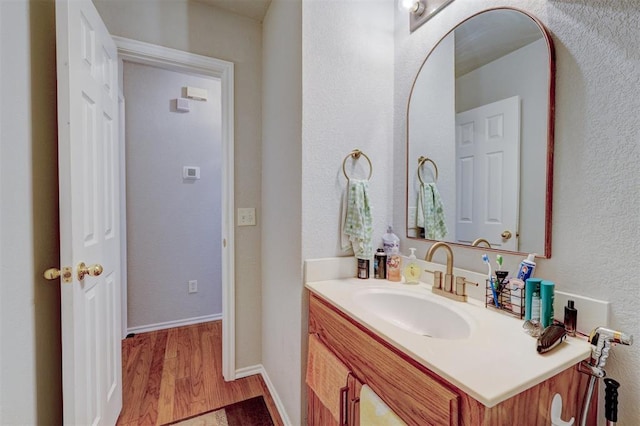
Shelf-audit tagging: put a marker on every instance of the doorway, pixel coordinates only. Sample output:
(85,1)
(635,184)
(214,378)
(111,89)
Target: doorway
(173,173)
(187,70)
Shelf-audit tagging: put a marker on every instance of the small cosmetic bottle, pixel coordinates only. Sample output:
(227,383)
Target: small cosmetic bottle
(532,299)
(363,269)
(570,318)
(546,303)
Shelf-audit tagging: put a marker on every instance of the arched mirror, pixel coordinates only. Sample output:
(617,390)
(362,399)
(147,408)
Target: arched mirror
(480,136)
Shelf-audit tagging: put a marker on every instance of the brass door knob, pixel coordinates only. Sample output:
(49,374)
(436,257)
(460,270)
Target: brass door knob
(92,270)
(506,235)
(54,273)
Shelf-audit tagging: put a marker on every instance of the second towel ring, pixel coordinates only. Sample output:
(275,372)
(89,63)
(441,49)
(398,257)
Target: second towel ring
(355,154)
(423,160)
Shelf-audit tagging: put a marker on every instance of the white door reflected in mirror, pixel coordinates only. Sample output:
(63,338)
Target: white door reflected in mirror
(485,188)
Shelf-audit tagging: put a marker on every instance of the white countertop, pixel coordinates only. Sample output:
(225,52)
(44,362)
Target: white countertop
(499,360)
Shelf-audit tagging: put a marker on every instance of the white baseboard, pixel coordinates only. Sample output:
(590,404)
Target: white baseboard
(249,371)
(259,369)
(171,324)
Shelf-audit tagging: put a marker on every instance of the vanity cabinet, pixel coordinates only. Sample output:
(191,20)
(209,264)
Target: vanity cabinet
(421,397)
(318,414)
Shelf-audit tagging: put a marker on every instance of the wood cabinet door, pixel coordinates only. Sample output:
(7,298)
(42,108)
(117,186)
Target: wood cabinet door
(408,388)
(353,398)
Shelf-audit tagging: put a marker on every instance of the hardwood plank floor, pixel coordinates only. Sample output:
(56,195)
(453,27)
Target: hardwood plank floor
(172,374)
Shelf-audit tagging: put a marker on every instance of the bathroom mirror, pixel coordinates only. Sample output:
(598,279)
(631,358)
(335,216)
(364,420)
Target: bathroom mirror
(480,136)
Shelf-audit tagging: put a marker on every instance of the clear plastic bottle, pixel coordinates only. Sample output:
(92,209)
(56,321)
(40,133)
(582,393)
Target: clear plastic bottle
(390,242)
(412,270)
(391,245)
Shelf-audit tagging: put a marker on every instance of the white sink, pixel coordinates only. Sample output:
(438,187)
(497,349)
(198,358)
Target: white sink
(419,313)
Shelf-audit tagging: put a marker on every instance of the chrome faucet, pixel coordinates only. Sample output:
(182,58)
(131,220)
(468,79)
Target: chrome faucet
(446,289)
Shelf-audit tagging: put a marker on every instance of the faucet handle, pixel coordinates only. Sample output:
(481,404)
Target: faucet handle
(462,282)
(437,278)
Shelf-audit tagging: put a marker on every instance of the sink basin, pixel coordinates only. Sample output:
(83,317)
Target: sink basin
(415,312)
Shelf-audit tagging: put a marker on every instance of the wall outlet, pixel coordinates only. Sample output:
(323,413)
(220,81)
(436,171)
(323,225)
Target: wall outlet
(193,286)
(246,216)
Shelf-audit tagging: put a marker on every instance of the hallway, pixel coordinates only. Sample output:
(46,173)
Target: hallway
(172,374)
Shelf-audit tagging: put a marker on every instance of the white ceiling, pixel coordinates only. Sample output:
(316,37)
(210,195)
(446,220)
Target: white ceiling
(489,36)
(254,9)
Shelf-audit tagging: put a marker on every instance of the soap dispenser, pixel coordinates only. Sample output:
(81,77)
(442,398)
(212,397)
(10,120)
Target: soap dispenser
(412,269)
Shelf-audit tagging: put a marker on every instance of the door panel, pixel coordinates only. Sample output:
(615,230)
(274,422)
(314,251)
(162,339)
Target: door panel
(89,220)
(488,173)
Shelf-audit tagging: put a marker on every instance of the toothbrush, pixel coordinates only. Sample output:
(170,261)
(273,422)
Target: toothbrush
(485,259)
(499,261)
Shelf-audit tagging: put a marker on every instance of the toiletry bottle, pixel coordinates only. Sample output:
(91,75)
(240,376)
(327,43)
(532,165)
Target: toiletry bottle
(525,270)
(517,297)
(363,269)
(391,245)
(390,242)
(393,266)
(546,303)
(380,264)
(532,299)
(570,318)
(412,270)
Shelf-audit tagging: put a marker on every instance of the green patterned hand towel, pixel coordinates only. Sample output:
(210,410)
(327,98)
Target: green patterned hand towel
(430,214)
(357,227)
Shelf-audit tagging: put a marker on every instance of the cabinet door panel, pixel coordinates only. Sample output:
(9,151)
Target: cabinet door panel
(317,413)
(408,388)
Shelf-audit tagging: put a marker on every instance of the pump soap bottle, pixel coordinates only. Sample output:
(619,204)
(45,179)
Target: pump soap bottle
(412,270)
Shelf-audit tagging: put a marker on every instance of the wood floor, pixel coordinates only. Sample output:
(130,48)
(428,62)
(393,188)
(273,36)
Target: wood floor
(172,374)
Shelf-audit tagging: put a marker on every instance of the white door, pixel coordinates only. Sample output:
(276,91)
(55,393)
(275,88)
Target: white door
(488,174)
(89,215)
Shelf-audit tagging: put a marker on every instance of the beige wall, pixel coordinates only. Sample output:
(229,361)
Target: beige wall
(30,353)
(208,31)
(596,200)
(282,328)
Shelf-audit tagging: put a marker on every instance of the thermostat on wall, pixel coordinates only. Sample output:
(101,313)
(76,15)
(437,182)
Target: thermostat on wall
(191,172)
(182,105)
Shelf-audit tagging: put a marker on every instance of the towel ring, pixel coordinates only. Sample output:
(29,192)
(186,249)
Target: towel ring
(355,154)
(423,160)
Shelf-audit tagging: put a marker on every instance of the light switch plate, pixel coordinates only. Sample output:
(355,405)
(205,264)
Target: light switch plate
(246,216)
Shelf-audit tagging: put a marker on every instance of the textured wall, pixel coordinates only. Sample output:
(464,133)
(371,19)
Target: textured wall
(173,225)
(204,30)
(596,206)
(347,89)
(282,307)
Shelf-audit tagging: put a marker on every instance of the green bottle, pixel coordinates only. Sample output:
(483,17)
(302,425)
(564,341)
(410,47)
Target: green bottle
(546,303)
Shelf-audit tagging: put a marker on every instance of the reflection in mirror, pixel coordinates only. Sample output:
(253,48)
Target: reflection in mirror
(480,136)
